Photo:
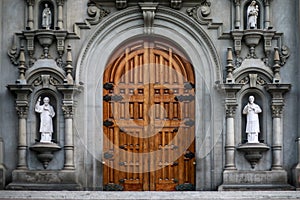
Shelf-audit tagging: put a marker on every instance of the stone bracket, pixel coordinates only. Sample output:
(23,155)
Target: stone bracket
(149,9)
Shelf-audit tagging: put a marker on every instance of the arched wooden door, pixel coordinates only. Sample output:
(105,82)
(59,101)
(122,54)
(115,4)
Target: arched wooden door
(148,119)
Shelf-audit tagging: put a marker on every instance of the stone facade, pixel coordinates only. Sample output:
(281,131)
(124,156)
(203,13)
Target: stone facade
(67,61)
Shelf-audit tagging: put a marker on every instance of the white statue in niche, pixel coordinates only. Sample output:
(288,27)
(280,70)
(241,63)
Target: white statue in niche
(252,15)
(46,114)
(46,17)
(252,126)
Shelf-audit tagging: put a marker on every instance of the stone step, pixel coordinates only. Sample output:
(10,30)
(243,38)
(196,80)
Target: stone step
(100,195)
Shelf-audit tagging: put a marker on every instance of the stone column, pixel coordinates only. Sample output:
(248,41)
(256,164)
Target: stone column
(237,21)
(229,140)
(60,22)
(2,167)
(22,139)
(277,91)
(30,21)
(22,91)
(277,137)
(267,14)
(69,91)
(230,105)
(69,139)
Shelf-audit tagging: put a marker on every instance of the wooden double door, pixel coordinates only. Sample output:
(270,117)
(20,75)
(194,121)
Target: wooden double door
(148,119)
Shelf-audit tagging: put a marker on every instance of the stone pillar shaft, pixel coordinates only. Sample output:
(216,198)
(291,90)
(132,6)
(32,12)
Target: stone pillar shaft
(237,22)
(60,17)
(229,144)
(69,144)
(229,140)
(277,144)
(22,139)
(30,17)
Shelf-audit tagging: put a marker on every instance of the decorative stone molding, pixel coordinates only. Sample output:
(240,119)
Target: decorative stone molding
(121,4)
(277,111)
(96,12)
(68,111)
(176,4)
(149,9)
(200,11)
(22,111)
(230,110)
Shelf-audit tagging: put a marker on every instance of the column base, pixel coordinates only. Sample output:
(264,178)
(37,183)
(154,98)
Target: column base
(255,180)
(44,180)
(2,177)
(296,177)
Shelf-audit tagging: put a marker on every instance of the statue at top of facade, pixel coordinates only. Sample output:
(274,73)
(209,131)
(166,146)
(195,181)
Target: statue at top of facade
(46,114)
(252,126)
(252,15)
(46,17)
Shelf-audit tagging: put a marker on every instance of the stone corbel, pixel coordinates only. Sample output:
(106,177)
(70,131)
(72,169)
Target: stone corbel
(60,46)
(237,41)
(148,9)
(121,4)
(268,36)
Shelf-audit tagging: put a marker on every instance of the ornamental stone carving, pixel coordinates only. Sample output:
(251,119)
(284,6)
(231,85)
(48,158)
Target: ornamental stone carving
(96,12)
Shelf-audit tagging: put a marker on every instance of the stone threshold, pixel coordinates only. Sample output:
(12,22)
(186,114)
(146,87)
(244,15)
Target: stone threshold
(100,195)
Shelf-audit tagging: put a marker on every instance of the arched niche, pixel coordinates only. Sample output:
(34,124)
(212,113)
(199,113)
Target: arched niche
(262,98)
(54,103)
(260,14)
(39,12)
(259,101)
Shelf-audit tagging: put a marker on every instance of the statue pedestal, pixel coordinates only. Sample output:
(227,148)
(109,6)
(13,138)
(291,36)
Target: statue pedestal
(255,180)
(44,180)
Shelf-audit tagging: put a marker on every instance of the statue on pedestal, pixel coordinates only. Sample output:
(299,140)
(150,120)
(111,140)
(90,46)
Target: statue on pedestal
(46,114)
(252,126)
(46,17)
(252,14)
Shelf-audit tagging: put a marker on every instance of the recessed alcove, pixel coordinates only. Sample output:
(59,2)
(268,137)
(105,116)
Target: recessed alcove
(41,7)
(259,17)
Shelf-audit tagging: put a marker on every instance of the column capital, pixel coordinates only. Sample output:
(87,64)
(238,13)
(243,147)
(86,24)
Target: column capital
(277,110)
(60,2)
(230,110)
(30,2)
(68,111)
(22,111)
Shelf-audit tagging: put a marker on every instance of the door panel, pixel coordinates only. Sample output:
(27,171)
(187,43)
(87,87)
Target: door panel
(148,113)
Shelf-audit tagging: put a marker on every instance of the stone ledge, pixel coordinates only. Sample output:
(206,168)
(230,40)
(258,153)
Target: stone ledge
(85,195)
